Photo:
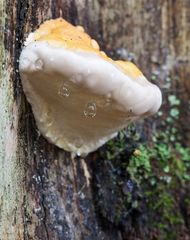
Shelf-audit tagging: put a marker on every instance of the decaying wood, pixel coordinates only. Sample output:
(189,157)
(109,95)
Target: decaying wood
(44,193)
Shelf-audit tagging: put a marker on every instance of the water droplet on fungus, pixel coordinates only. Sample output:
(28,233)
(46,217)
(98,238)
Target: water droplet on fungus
(39,64)
(64,91)
(90,110)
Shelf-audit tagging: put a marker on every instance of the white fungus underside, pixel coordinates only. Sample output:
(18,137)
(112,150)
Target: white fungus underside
(95,101)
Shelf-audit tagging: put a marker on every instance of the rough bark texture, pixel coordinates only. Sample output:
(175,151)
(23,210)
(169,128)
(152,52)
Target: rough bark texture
(44,193)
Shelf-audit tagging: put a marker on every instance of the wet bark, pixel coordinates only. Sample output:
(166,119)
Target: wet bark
(44,193)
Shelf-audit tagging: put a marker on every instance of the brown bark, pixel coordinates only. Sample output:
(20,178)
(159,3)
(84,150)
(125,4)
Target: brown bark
(44,193)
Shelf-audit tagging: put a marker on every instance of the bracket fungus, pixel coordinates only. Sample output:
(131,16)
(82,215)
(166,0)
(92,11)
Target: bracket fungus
(79,96)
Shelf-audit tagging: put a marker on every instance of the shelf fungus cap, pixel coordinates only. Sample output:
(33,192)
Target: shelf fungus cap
(80,97)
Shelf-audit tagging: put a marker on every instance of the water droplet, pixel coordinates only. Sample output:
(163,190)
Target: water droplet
(38,64)
(78,154)
(90,110)
(64,91)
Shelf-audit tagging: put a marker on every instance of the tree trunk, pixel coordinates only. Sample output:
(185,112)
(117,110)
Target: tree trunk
(44,192)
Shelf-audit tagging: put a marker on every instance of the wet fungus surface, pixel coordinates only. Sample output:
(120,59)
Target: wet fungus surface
(79,96)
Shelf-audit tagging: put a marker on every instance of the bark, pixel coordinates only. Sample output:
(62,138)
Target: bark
(44,193)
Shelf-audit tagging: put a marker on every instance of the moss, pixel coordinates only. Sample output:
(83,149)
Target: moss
(160,169)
